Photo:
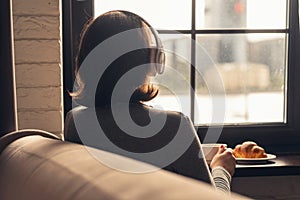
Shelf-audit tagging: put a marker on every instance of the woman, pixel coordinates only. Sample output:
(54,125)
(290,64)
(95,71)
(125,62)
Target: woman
(118,53)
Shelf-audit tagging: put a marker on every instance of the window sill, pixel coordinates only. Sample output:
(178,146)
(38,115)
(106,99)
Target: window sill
(281,166)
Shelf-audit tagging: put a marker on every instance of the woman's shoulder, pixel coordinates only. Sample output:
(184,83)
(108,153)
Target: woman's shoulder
(78,108)
(173,113)
(134,109)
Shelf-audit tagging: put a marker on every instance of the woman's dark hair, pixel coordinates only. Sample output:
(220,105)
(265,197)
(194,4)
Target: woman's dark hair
(96,31)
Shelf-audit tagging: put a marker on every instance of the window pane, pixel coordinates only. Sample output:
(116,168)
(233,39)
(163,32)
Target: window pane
(174,83)
(164,14)
(248,70)
(251,14)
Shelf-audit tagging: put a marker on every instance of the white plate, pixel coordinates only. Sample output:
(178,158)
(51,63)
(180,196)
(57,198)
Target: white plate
(255,160)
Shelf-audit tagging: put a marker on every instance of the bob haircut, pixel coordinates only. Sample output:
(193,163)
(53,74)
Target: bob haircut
(96,31)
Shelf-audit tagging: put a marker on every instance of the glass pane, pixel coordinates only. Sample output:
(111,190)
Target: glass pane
(174,83)
(160,14)
(251,14)
(245,79)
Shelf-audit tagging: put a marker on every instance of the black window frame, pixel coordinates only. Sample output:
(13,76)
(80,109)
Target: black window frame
(275,137)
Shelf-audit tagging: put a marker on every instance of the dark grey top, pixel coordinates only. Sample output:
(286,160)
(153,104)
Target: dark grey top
(165,139)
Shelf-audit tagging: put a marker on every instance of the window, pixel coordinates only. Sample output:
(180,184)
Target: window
(234,57)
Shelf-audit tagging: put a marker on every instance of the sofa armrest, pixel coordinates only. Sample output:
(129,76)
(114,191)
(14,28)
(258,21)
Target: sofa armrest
(10,137)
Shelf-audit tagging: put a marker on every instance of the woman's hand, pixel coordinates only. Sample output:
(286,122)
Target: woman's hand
(225,159)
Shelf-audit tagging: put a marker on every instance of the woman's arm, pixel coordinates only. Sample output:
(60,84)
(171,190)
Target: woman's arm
(222,179)
(191,163)
(223,167)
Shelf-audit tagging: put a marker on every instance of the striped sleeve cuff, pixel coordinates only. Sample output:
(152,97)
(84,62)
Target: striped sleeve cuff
(222,179)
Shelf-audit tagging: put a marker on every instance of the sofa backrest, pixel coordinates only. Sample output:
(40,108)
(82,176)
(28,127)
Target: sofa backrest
(37,167)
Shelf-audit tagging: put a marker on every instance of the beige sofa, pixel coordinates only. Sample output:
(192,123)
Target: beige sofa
(37,165)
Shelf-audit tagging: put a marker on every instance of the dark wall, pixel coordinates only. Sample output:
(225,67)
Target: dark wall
(7,114)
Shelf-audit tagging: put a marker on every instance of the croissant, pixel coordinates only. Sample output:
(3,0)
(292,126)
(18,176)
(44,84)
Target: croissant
(249,149)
